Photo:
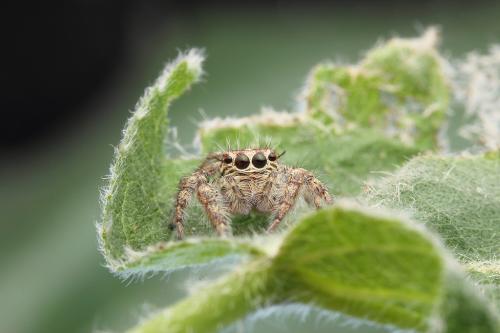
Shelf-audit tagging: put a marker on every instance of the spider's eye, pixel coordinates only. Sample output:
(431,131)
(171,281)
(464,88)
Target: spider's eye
(259,160)
(228,159)
(242,161)
(272,156)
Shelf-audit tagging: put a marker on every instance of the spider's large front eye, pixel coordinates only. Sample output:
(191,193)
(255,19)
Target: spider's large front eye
(242,161)
(259,160)
(228,159)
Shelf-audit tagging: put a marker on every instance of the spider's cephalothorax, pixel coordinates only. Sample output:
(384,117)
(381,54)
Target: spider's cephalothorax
(238,181)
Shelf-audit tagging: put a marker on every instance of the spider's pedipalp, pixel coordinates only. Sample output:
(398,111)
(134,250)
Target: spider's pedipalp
(213,204)
(292,188)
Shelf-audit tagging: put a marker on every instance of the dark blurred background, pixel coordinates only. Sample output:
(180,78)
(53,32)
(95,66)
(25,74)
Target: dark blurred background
(73,70)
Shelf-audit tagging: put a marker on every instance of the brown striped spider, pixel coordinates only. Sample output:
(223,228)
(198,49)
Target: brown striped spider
(239,181)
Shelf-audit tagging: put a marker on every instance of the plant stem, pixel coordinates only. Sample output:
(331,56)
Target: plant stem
(226,301)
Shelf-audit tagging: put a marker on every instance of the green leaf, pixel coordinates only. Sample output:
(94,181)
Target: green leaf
(133,201)
(464,309)
(399,87)
(164,257)
(476,97)
(459,198)
(212,308)
(346,259)
(358,263)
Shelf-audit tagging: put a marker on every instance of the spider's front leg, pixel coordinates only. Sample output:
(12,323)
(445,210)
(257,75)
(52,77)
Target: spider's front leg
(216,209)
(314,193)
(209,197)
(187,186)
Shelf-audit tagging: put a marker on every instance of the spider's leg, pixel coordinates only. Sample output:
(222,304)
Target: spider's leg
(187,186)
(315,193)
(217,212)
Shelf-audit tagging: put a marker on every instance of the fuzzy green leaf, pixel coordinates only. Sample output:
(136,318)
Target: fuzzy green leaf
(134,202)
(344,259)
(164,257)
(463,308)
(399,87)
(459,198)
(210,309)
(364,265)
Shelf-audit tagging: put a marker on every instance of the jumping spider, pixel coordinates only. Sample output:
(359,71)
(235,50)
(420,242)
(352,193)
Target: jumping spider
(238,181)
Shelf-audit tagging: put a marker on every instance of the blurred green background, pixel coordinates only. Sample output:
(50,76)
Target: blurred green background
(52,277)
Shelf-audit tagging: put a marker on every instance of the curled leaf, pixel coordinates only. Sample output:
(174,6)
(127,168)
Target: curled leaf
(134,200)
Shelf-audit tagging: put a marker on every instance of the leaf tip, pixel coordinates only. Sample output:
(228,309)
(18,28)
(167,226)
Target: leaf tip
(193,58)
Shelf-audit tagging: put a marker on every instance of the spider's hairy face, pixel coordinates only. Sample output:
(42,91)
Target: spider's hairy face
(248,161)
